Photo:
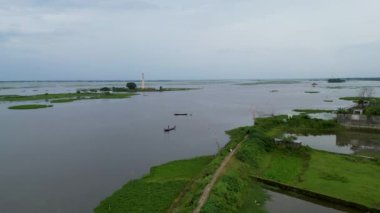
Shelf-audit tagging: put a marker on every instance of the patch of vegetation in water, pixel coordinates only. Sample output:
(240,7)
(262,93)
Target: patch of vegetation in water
(328,100)
(156,191)
(76,96)
(64,100)
(29,106)
(311,111)
(312,92)
(262,82)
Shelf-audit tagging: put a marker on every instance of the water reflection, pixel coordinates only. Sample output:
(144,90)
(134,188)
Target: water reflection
(280,202)
(345,142)
(70,157)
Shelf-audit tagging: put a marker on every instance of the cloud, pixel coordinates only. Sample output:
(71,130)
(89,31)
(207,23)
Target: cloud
(189,39)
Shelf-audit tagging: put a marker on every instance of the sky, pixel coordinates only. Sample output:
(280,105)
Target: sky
(188,39)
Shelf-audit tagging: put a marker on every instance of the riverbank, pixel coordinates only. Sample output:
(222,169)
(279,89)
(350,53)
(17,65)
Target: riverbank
(156,191)
(347,178)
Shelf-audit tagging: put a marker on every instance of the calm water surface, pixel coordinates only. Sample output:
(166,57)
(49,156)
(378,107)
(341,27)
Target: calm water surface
(70,157)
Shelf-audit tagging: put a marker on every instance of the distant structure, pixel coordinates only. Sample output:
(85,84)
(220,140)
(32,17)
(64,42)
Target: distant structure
(142,81)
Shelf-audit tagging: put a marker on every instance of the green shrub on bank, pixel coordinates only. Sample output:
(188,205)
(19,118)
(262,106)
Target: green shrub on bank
(372,110)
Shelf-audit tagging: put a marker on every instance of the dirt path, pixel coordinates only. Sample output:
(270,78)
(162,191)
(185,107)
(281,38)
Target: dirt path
(217,174)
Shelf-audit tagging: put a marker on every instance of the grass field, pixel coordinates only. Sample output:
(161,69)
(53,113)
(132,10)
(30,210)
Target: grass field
(30,106)
(156,191)
(236,191)
(342,176)
(347,177)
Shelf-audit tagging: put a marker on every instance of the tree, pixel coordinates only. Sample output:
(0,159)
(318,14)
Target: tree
(131,85)
(365,93)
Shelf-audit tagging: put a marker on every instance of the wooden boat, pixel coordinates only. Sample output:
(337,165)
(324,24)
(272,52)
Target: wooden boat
(169,129)
(179,114)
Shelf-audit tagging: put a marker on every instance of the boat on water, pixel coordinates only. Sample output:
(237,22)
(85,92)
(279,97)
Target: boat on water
(169,129)
(179,114)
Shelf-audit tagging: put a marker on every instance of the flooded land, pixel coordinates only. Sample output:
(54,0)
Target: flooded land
(70,157)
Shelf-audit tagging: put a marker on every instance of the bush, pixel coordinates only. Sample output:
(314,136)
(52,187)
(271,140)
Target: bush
(372,110)
(105,89)
(131,85)
(119,89)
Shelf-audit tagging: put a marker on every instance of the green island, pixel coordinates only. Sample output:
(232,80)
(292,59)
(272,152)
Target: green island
(66,96)
(260,155)
(311,111)
(30,106)
(84,94)
(262,82)
(312,92)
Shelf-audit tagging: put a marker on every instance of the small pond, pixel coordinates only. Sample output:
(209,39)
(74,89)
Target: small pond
(345,142)
(280,202)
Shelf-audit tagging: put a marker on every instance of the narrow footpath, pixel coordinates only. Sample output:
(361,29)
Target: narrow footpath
(215,177)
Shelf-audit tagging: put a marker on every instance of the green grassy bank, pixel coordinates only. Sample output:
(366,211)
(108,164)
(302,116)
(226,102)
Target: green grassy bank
(156,191)
(347,177)
(177,186)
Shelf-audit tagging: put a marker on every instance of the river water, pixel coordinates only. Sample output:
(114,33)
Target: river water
(69,157)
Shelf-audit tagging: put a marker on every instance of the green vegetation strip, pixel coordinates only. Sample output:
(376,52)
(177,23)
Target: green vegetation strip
(346,177)
(65,100)
(156,191)
(311,111)
(356,99)
(67,96)
(269,82)
(177,186)
(312,92)
(29,106)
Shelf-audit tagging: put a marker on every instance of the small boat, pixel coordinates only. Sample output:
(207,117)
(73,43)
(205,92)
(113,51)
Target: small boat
(169,129)
(179,114)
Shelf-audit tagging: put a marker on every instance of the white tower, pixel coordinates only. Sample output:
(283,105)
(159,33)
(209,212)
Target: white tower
(142,81)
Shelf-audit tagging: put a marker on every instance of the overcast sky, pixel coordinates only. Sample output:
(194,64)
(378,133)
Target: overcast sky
(188,39)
